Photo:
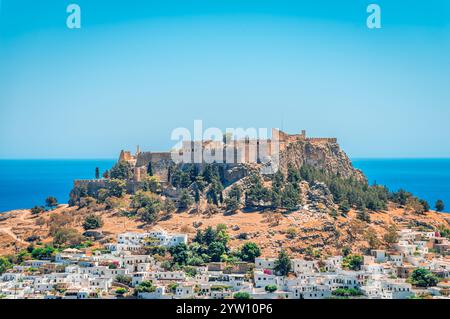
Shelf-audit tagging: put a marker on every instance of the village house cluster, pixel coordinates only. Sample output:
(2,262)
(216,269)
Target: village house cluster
(83,274)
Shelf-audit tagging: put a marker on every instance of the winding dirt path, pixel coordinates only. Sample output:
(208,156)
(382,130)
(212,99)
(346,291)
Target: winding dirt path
(7,231)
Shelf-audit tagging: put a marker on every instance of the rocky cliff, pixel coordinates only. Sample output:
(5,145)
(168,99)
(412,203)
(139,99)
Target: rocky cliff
(323,155)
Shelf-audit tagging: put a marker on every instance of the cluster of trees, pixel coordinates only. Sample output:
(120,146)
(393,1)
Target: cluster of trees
(62,232)
(146,205)
(408,200)
(68,237)
(413,203)
(347,292)
(284,193)
(242,295)
(121,170)
(50,203)
(80,195)
(422,277)
(348,192)
(352,262)
(391,236)
(144,286)
(209,180)
(210,245)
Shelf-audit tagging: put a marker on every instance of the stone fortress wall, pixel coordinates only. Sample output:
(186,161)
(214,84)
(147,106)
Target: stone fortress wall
(242,151)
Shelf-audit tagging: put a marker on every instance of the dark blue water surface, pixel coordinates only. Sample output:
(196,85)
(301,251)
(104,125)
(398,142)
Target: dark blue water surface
(25,183)
(428,179)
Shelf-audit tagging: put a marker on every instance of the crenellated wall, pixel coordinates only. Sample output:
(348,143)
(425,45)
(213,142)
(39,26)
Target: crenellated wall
(322,139)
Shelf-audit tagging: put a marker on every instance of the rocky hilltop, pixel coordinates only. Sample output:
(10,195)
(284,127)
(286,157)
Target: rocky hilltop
(324,155)
(317,202)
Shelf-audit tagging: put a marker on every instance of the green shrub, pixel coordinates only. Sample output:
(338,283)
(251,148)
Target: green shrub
(422,277)
(271,288)
(92,221)
(242,295)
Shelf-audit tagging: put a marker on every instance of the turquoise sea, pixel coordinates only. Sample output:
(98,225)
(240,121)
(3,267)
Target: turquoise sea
(25,183)
(428,179)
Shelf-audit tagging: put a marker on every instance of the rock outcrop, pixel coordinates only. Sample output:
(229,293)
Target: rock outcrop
(323,155)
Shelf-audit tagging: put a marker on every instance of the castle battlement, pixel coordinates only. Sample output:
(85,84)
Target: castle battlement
(242,150)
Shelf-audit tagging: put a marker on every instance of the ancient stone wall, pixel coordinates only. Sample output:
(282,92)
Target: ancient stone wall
(322,139)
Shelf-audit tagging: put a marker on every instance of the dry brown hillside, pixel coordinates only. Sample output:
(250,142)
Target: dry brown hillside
(294,231)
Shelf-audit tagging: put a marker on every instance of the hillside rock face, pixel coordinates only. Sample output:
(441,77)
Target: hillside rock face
(322,155)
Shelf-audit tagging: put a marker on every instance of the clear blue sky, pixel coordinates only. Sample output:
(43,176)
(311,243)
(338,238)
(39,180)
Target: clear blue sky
(138,69)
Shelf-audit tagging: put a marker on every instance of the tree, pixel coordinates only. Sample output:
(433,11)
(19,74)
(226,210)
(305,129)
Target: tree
(5,264)
(277,189)
(169,206)
(214,193)
(422,277)
(190,271)
(271,288)
(235,192)
(413,204)
(200,183)
(67,236)
(179,254)
(51,202)
(283,263)
(211,172)
(209,236)
(150,169)
(151,183)
(144,286)
(215,250)
(391,236)
(352,262)
(293,175)
(116,187)
(221,234)
(440,205)
(92,221)
(372,238)
(37,210)
(233,201)
(185,200)
(198,237)
(242,295)
(400,197)
(256,194)
(249,252)
(426,206)
(97,173)
(147,205)
(197,196)
(122,170)
(290,198)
